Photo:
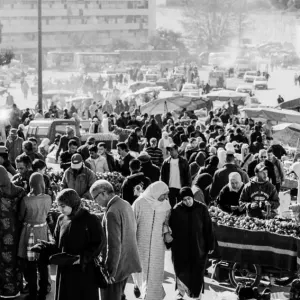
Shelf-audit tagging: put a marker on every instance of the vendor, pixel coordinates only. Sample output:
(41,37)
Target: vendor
(296,169)
(259,196)
(229,196)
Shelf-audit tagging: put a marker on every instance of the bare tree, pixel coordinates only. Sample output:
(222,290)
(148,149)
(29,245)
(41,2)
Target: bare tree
(213,23)
(5,57)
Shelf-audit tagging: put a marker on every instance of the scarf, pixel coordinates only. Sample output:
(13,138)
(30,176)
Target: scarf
(153,192)
(6,186)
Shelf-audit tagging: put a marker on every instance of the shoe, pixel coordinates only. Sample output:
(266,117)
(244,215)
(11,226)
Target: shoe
(137,292)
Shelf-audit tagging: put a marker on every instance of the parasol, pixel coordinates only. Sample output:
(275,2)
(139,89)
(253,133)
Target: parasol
(287,133)
(163,105)
(277,115)
(291,104)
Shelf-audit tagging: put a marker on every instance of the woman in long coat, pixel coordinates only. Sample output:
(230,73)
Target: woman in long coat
(193,240)
(77,233)
(10,198)
(151,211)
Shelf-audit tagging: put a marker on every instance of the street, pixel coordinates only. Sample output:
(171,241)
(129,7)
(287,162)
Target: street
(281,82)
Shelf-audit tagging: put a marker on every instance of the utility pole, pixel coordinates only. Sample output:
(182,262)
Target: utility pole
(40,57)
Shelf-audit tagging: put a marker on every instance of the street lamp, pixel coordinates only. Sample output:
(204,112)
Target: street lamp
(40,57)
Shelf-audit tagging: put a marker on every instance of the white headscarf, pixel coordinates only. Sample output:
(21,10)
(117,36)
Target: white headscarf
(222,157)
(153,192)
(165,138)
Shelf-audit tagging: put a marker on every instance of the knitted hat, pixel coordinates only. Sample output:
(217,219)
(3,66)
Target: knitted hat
(186,192)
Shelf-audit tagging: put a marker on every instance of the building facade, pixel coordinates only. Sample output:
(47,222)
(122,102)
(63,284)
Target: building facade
(76,24)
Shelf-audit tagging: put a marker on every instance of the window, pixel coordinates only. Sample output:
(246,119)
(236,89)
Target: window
(42,131)
(62,128)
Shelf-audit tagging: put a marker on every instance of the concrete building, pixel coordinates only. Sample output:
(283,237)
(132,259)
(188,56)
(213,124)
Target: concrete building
(76,24)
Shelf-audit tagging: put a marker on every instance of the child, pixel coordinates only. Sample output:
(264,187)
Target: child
(33,213)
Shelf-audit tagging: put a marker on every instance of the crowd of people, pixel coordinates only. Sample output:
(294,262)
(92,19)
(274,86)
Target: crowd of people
(173,171)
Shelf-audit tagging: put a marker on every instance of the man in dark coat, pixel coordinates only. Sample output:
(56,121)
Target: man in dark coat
(263,158)
(148,168)
(221,177)
(84,149)
(153,131)
(193,240)
(122,165)
(135,183)
(134,140)
(175,172)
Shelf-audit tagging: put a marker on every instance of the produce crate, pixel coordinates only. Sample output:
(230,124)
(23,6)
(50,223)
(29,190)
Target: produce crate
(257,247)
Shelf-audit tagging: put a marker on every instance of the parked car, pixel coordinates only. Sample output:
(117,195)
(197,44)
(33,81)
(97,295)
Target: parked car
(260,82)
(245,89)
(250,76)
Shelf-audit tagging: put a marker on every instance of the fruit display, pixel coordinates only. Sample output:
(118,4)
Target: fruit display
(115,178)
(276,225)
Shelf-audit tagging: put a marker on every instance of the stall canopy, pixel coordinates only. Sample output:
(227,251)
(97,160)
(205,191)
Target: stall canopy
(273,114)
(170,104)
(291,104)
(140,85)
(287,133)
(52,93)
(226,95)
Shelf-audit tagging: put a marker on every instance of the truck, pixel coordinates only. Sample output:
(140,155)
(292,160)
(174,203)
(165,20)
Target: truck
(49,128)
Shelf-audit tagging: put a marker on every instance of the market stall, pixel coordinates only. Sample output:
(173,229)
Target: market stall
(252,247)
(227,95)
(273,114)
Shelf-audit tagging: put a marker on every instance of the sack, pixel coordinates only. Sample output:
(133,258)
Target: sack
(101,274)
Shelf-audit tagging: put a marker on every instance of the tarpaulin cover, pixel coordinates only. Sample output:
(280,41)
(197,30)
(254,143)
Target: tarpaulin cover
(258,247)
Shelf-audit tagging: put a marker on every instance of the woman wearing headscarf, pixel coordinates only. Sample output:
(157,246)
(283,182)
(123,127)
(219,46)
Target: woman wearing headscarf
(222,157)
(164,142)
(78,240)
(247,157)
(193,240)
(211,166)
(197,164)
(10,199)
(201,187)
(229,196)
(151,211)
(33,214)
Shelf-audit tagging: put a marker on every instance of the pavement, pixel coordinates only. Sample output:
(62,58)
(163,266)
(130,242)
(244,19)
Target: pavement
(212,287)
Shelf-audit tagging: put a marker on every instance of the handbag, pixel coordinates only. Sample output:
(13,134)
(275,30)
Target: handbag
(101,274)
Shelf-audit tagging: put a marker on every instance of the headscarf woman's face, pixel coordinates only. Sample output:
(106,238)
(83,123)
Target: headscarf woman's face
(163,197)
(64,209)
(188,201)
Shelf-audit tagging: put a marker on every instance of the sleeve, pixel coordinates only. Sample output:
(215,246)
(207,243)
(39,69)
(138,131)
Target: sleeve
(59,147)
(64,163)
(105,166)
(274,199)
(96,240)
(22,211)
(125,190)
(64,181)
(166,227)
(221,201)
(136,211)
(245,200)
(209,234)
(114,233)
(251,169)
(281,170)
(213,191)
(188,172)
